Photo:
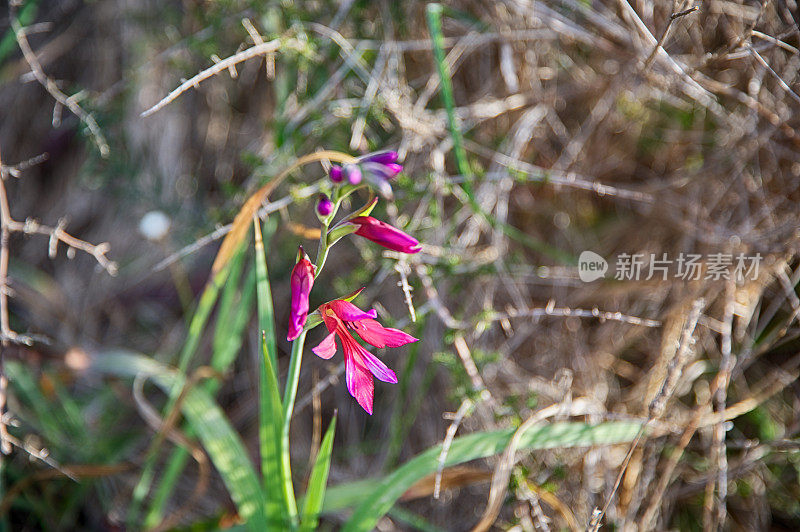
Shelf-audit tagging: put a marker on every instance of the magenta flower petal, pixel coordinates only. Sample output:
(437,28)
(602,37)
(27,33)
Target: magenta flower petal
(394,169)
(359,383)
(378,368)
(379,336)
(342,317)
(336,174)
(346,311)
(301,281)
(385,235)
(327,347)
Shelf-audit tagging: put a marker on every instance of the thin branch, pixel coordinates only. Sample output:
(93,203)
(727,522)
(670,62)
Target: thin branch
(264,48)
(17,169)
(220,232)
(785,86)
(658,404)
(70,102)
(551,310)
(57,234)
(463,411)
(660,44)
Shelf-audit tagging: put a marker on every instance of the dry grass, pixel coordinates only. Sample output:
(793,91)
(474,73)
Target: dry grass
(584,134)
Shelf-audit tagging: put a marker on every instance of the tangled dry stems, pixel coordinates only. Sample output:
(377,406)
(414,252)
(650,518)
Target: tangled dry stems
(622,128)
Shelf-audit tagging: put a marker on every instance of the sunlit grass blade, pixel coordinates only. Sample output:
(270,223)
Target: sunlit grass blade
(266,315)
(376,497)
(270,408)
(269,431)
(232,315)
(318,482)
(221,442)
(232,328)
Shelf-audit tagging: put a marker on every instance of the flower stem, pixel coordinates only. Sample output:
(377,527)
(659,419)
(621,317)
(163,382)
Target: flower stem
(289,395)
(322,250)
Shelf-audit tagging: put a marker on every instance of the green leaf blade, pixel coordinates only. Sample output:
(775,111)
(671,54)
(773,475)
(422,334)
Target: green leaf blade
(376,497)
(220,440)
(315,495)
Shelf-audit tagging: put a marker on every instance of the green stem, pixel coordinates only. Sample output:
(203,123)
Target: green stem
(322,250)
(434,17)
(434,14)
(289,395)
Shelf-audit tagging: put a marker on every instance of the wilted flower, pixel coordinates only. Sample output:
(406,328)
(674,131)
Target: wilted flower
(385,235)
(301,281)
(324,205)
(341,317)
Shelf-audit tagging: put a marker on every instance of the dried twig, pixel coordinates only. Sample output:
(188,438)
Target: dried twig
(657,405)
(462,412)
(57,234)
(502,472)
(70,102)
(263,48)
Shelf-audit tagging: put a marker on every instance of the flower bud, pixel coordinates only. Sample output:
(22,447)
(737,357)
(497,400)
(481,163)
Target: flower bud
(336,174)
(301,281)
(353,173)
(385,235)
(324,206)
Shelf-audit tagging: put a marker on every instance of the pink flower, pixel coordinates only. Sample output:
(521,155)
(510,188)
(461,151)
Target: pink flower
(301,281)
(385,235)
(360,365)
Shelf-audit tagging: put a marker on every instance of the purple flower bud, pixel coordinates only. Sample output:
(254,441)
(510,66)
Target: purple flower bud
(353,173)
(301,281)
(324,205)
(394,169)
(386,235)
(336,174)
(382,157)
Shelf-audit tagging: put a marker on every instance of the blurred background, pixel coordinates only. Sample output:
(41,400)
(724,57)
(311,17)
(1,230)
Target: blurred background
(579,131)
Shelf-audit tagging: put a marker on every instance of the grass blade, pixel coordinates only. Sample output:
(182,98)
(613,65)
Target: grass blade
(434,17)
(270,408)
(433,14)
(269,431)
(221,442)
(232,315)
(225,346)
(318,482)
(266,315)
(228,337)
(376,497)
